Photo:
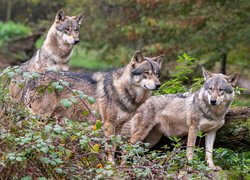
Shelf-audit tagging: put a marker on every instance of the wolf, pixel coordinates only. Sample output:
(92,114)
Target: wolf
(55,52)
(57,48)
(118,93)
(186,114)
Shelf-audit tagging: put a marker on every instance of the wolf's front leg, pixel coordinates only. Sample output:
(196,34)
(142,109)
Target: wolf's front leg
(210,137)
(192,134)
(110,130)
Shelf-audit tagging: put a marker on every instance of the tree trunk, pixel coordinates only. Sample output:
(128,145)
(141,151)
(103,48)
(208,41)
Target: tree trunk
(235,134)
(223,62)
(9,10)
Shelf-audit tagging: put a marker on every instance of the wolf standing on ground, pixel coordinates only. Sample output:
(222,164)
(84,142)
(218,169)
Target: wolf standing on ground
(186,114)
(55,51)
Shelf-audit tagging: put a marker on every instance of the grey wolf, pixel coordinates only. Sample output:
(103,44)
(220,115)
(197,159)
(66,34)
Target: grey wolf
(57,47)
(186,114)
(55,52)
(118,93)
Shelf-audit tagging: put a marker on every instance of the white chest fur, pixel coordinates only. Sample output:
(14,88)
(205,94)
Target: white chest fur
(206,125)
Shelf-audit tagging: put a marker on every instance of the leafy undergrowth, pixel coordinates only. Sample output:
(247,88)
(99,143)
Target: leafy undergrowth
(32,147)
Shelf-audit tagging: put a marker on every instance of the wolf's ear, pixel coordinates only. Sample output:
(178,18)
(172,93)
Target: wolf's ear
(206,73)
(79,18)
(137,57)
(60,15)
(159,59)
(232,79)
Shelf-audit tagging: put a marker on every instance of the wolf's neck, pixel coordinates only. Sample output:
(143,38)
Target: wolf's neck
(131,92)
(56,48)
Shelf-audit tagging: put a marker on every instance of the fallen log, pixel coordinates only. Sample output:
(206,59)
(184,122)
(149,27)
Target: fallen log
(235,134)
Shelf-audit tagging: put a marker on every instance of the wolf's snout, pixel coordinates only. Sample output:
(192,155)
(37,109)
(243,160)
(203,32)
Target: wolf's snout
(213,102)
(157,86)
(76,41)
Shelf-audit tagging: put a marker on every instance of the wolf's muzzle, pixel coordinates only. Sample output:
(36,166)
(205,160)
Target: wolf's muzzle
(157,86)
(76,41)
(213,102)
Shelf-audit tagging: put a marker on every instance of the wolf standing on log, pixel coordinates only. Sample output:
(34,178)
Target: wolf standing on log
(57,47)
(55,52)
(186,114)
(118,93)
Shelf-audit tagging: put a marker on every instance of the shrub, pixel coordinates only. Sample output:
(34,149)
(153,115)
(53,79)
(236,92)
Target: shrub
(10,30)
(32,147)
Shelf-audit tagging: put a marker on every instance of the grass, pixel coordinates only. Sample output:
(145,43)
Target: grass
(242,100)
(88,59)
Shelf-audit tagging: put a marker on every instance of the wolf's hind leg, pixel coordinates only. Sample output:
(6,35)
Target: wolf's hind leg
(140,128)
(154,136)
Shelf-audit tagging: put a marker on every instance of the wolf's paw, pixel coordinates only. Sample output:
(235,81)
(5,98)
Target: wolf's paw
(215,168)
(189,169)
(110,159)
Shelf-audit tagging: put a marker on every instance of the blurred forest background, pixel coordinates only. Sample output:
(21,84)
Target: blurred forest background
(216,32)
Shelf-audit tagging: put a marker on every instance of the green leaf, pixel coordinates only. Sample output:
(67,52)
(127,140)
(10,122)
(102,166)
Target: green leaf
(200,134)
(58,129)
(26,178)
(57,86)
(59,170)
(53,163)
(48,128)
(11,74)
(66,103)
(64,83)
(19,159)
(58,161)
(85,113)
(44,149)
(91,100)
(74,100)
(45,160)
(42,178)
(50,89)
(98,124)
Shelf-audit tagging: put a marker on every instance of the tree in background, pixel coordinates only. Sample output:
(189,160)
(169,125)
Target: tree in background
(206,29)
(214,31)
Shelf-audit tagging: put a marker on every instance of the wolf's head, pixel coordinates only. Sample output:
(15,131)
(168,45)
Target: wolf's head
(218,87)
(146,71)
(68,27)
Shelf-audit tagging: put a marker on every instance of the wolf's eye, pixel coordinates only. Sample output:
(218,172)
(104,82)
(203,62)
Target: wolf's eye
(76,30)
(210,89)
(146,72)
(221,91)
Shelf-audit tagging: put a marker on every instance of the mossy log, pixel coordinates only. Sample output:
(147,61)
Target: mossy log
(235,134)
